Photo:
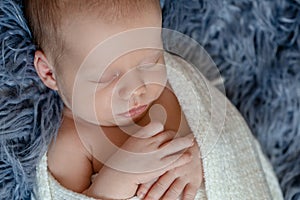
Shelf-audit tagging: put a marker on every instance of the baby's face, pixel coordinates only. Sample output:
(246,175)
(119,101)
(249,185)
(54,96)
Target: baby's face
(110,74)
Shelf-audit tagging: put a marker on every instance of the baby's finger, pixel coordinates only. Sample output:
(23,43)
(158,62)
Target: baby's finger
(173,161)
(189,192)
(144,188)
(150,130)
(175,190)
(177,144)
(164,137)
(161,186)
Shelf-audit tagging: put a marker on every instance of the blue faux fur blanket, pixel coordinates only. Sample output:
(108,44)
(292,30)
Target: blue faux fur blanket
(29,112)
(255,44)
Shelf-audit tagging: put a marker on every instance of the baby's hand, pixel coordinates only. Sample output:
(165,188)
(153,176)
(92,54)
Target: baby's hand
(182,181)
(142,158)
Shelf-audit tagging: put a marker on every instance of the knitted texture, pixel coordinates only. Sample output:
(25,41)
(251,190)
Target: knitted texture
(256,46)
(29,112)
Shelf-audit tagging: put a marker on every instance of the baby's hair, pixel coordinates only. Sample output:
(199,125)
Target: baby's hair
(46,17)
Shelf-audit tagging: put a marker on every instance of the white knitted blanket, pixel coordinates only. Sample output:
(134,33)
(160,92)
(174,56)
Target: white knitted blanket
(234,166)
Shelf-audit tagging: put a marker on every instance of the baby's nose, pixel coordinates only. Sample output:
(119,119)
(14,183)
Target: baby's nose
(131,84)
(140,90)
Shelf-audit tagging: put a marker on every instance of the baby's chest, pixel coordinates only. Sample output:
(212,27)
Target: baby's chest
(115,139)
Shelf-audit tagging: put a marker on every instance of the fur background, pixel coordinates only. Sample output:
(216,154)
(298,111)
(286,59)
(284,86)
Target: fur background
(255,44)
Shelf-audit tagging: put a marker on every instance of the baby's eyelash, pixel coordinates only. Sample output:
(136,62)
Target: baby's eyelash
(152,67)
(109,79)
(149,65)
(146,66)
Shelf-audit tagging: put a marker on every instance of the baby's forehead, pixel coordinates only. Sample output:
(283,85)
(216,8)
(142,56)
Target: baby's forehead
(83,36)
(47,18)
(109,11)
(91,48)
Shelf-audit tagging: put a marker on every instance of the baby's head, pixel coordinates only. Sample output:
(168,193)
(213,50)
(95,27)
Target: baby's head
(88,52)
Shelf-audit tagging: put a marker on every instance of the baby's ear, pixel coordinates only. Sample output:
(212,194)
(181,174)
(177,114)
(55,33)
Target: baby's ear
(45,70)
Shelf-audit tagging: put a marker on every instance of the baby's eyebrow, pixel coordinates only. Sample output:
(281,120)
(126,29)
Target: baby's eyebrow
(154,56)
(150,57)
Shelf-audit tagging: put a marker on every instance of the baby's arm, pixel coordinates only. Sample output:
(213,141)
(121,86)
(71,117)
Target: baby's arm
(69,161)
(147,159)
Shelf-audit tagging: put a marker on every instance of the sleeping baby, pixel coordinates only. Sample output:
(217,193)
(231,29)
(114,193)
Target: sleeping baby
(137,122)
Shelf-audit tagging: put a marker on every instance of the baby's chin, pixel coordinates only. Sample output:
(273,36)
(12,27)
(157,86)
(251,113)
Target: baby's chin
(127,122)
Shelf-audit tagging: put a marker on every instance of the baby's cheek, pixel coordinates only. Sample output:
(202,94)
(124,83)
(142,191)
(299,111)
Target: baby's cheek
(158,90)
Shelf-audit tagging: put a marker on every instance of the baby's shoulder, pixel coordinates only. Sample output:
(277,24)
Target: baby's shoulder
(68,160)
(67,143)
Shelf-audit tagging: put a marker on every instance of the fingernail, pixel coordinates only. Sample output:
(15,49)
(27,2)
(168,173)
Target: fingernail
(141,195)
(159,126)
(191,136)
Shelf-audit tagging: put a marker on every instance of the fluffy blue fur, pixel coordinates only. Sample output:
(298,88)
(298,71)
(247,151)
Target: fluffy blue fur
(29,112)
(255,44)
